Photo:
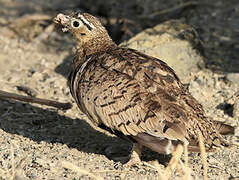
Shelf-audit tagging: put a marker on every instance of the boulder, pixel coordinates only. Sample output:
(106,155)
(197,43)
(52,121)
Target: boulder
(175,43)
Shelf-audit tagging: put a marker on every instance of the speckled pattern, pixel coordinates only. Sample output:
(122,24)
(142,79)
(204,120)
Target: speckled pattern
(132,93)
(41,138)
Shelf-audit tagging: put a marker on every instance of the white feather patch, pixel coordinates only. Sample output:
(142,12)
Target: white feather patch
(85,21)
(168,148)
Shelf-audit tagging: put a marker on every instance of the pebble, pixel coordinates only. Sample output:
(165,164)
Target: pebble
(233,78)
(38,76)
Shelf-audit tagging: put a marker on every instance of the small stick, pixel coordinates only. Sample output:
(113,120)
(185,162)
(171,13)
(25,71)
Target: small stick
(169,10)
(187,170)
(75,168)
(6,95)
(203,155)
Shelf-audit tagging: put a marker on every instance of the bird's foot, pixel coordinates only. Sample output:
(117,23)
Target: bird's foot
(173,162)
(134,159)
(135,155)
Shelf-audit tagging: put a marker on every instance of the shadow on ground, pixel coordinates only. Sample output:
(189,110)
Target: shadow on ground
(65,67)
(48,125)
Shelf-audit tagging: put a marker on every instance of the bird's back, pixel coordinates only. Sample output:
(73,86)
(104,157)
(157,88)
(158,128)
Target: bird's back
(140,96)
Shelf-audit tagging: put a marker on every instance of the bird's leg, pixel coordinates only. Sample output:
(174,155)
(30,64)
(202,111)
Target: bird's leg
(176,155)
(135,154)
(175,160)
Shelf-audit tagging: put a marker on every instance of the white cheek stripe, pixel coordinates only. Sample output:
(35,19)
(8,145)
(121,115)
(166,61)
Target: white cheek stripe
(85,21)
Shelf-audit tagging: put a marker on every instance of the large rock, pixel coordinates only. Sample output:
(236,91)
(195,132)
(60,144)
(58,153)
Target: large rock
(233,78)
(173,42)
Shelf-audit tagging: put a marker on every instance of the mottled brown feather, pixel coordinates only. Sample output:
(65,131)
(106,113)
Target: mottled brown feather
(132,93)
(136,94)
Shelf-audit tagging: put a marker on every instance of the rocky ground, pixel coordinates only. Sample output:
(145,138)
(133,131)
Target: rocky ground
(38,142)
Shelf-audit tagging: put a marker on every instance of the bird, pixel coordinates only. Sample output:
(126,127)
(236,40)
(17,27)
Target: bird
(133,95)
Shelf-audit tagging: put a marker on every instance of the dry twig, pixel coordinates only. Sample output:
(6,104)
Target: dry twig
(172,9)
(75,168)
(7,96)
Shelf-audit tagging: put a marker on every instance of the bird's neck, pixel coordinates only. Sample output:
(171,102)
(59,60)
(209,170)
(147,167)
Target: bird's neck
(96,45)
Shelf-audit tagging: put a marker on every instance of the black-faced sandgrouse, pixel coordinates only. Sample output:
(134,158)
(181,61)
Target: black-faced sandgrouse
(133,95)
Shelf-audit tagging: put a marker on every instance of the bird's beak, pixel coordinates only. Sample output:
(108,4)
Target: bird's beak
(63,20)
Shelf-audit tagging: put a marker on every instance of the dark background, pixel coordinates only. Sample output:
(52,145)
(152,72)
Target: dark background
(216,21)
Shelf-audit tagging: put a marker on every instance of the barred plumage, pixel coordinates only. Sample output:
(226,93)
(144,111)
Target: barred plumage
(132,94)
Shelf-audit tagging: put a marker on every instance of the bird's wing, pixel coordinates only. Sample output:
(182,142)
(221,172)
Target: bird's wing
(133,93)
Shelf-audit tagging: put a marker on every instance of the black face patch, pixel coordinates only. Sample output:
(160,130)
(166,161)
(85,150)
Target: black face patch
(86,24)
(80,16)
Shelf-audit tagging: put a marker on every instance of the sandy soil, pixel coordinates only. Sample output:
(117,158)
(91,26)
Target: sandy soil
(38,142)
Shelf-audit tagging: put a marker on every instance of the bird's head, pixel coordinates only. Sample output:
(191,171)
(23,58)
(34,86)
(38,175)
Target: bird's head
(90,34)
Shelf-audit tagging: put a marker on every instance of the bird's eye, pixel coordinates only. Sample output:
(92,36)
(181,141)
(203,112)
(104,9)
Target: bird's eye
(75,23)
